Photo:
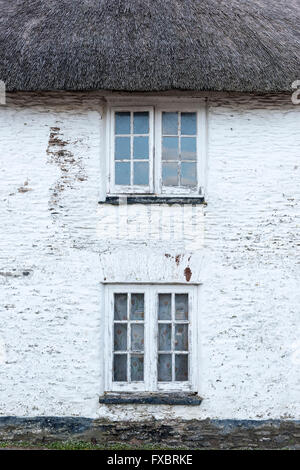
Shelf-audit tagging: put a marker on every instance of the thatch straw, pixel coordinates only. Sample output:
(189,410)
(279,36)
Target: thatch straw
(148,45)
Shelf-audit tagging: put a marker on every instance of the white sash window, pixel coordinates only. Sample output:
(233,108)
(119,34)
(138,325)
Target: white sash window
(156,150)
(151,338)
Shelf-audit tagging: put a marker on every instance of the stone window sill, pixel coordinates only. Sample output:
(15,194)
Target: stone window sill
(142,398)
(140,199)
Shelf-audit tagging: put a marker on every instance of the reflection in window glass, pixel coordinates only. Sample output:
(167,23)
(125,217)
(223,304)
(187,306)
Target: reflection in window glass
(164,307)
(120,307)
(141,147)
(141,123)
(170,148)
(128,345)
(170,123)
(137,368)
(165,367)
(122,173)
(132,145)
(137,337)
(181,306)
(141,173)
(179,145)
(164,336)
(137,307)
(181,337)
(170,174)
(173,337)
(120,368)
(188,148)
(188,124)
(122,123)
(120,337)
(181,367)
(122,148)
(188,174)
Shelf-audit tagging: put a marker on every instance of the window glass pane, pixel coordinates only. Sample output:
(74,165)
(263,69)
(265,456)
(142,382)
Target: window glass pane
(122,148)
(122,123)
(137,307)
(188,123)
(141,147)
(137,337)
(120,308)
(164,306)
(120,337)
(188,148)
(181,306)
(137,368)
(164,367)
(181,367)
(122,173)
(170,148)
(188,174)
(164,337)
(141,123)
(120,367)
(170,174)
(170,123)
(141,173)
(181,337)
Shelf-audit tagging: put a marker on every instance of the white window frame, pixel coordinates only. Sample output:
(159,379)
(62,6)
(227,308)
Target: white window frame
(151,383)
(156,108)
(201,150)
(132,189)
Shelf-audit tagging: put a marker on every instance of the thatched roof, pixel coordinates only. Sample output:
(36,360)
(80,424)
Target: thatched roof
(139,45)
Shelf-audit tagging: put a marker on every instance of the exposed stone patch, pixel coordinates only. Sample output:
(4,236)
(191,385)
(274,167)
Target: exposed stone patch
(204,434)
(71,167)
(55,140)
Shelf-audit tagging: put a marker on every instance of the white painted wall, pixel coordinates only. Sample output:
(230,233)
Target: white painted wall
(244,247)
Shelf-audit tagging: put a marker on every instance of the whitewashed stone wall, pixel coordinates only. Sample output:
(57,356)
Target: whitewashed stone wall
(57,244)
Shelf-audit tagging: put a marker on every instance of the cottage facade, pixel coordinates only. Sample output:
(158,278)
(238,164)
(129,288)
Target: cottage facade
(149,217)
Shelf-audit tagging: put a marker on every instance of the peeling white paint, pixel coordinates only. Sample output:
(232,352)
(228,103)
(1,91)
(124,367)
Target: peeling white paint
(57,244)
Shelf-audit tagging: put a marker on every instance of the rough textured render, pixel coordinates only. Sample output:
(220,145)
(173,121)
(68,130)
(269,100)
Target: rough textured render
(57,244)
(138,45)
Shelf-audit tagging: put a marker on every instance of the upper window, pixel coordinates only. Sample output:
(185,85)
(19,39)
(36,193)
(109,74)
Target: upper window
(132,150)
(179,149)
(156,151)
(150,339)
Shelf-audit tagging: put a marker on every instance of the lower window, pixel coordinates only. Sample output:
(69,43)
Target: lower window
(151,337)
